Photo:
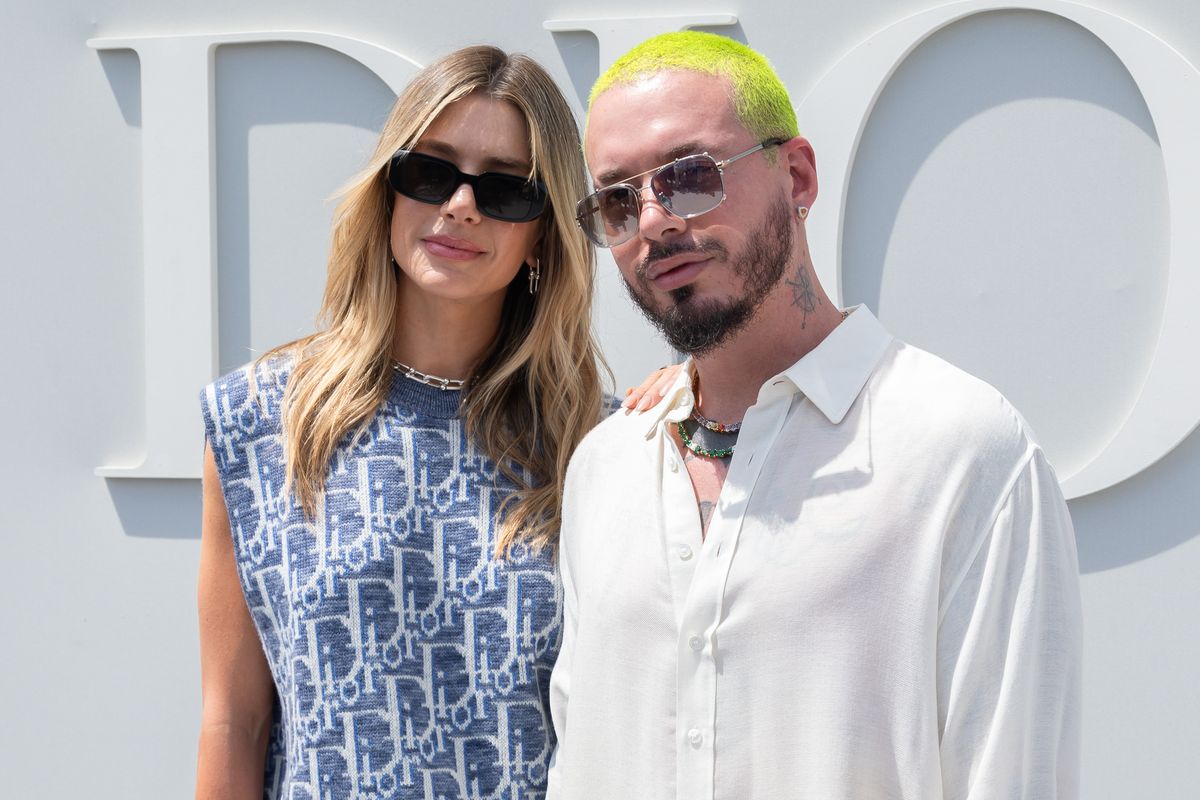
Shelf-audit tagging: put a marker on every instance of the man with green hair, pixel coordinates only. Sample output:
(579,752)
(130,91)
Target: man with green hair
(829,565)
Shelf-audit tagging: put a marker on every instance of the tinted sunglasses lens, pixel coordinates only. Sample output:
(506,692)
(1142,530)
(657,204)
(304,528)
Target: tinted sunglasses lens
(610,216)
(429,180)
(689,187)
(509,198)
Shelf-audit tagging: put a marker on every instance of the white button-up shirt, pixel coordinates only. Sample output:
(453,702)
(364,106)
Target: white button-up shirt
(886,604)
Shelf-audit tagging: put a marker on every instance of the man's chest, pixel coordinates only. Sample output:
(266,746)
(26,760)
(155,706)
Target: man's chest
(707,477)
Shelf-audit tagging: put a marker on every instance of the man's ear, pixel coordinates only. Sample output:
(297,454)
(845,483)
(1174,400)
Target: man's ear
(797,155)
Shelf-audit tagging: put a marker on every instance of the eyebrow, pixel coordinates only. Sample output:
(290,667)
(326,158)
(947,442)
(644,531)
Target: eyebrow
(618,175)
(450,153)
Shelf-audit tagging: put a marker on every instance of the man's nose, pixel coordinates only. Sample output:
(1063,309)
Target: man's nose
(655,220)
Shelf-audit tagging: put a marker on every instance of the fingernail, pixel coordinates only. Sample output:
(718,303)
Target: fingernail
(663,391)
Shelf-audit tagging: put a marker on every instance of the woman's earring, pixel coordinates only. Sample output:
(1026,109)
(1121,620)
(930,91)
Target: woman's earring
(803,212)
(535,272)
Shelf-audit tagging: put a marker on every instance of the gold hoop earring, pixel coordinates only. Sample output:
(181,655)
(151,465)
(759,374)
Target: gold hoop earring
(535,274)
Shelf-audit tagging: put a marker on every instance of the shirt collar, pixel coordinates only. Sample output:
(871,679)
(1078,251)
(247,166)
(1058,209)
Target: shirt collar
(677,403)
(831,375)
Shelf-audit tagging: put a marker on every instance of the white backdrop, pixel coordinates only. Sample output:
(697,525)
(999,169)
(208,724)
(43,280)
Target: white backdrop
(1004,186)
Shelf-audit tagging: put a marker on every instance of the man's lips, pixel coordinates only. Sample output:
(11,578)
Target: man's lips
(670,273)
(451,247)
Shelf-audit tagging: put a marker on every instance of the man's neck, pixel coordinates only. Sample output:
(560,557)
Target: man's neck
(787,326)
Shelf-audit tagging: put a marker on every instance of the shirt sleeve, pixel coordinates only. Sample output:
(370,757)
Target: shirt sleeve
(560,678)
(1009,651)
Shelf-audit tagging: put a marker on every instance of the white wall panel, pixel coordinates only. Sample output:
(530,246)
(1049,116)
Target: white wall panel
(1007,209)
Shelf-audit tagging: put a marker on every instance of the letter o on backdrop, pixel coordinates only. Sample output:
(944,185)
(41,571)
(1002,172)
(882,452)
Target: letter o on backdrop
(1166,408)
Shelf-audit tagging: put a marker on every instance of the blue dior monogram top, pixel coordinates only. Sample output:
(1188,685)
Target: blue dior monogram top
(408,661)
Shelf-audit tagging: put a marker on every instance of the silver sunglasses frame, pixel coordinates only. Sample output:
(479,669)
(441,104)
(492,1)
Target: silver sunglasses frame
(582,213)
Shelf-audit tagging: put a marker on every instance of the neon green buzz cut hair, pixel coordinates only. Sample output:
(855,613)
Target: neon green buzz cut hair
(759,98)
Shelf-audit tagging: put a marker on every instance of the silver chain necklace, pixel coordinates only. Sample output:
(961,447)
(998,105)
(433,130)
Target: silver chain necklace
(445,384)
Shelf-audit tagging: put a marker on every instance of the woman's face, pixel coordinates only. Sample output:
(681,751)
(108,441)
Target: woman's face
(450,251)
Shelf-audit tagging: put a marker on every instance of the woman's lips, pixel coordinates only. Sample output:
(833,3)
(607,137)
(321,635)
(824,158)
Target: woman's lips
(449,247)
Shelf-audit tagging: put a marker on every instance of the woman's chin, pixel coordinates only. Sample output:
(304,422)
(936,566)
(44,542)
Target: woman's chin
(447,287)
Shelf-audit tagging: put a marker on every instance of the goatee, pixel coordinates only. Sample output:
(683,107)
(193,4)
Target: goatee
(697,327)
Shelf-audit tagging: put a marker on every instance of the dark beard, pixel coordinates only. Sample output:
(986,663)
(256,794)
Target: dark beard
(697,327)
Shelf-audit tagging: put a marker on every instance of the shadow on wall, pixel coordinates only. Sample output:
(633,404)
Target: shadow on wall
(1148,514)
(998,58)
(157,509)
(580,53)
(124,74)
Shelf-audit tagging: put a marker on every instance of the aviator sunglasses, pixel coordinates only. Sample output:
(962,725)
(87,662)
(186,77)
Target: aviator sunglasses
(508,198)
(687,187)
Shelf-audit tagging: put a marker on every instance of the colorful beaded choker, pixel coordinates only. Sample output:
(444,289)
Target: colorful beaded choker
(716,427)
(719,427)
(707,452)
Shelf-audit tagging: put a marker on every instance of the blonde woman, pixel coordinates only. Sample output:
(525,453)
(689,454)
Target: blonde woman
(381,499)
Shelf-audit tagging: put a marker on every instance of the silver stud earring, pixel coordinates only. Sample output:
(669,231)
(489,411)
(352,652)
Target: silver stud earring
(535,273)
(803,212)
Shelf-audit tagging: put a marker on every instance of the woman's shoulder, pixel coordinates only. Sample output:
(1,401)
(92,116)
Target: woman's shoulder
(246,403)
(609,405)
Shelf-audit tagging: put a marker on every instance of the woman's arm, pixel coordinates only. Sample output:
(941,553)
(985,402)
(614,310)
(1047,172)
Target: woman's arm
(238,692)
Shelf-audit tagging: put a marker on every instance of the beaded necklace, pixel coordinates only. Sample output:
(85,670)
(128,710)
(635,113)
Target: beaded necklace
(707,452)
(719,427)
(731,429)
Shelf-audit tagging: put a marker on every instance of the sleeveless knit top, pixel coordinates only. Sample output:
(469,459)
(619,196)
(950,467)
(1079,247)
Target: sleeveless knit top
(408,662)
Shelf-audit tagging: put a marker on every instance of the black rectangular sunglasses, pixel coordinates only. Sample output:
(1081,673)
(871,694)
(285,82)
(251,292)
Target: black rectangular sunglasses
(508,198)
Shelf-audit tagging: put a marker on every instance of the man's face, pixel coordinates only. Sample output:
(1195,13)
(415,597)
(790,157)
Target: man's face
(699,280)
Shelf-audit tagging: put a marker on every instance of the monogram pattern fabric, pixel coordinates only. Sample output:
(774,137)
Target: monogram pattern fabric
(408,661)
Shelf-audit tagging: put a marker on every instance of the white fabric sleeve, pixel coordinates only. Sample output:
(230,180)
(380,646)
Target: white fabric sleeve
(1008,654)
(560,678)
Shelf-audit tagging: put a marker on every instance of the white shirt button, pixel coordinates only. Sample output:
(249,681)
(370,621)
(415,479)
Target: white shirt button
(685,552)
(696,643)
(673,465)
(695,737)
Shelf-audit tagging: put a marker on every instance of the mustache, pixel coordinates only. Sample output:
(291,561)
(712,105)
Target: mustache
(662,250)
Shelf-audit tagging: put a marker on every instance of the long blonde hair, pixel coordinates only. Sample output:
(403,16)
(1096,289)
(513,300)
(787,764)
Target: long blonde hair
(538,390)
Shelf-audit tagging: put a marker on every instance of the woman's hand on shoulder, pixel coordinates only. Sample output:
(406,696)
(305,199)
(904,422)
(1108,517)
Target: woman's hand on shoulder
(651,391)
